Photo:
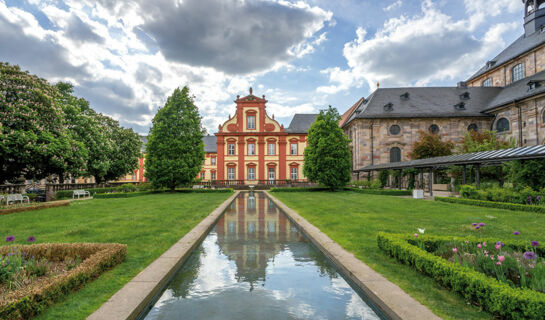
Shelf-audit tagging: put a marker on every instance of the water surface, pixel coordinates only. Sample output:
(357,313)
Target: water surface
(255,264)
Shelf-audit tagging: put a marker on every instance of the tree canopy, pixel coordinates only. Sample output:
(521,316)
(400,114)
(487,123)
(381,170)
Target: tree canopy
(475,141)
(327,157)
(175,150)
(430,145)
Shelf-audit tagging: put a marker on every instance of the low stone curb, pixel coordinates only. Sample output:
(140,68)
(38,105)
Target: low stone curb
(44,205)
(390,298)
(130,301)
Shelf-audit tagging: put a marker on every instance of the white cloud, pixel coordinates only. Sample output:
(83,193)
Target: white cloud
(393,6)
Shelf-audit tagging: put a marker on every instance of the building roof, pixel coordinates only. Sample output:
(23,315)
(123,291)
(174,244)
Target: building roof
(521,45)
(301,123)
(483,157)
(210,144)
(426,102)
(518,90)
(349,112)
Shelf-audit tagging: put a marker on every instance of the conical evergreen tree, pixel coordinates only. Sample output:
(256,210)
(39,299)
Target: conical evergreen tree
(175,150)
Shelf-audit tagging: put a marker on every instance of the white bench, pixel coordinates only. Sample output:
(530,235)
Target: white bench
(81,193)
(13,198)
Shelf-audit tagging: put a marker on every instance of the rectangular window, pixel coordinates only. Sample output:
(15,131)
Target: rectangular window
(213,161)
(251,173)
(212,176)
(293,173)
(251,122)
(251,149)
(202,175)
(293,149)
(231,173)
(271,148)
(231,149)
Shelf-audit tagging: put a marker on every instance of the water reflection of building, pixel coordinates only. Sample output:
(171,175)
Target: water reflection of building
(252,232)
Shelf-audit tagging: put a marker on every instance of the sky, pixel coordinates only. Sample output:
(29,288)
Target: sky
(126,57)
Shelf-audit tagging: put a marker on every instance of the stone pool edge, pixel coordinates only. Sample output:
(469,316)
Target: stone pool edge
(390,298)
(132,299)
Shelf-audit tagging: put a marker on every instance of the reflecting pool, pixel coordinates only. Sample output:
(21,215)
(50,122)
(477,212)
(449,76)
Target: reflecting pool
(255,264)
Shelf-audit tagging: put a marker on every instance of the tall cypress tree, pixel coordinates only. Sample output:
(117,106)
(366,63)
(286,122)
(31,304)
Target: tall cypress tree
(175,150)
(327,158)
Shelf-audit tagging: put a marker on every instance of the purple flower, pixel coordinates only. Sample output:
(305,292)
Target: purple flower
(482,224)
(516,233)
(31,239)
(501,244)
(10,238)
(477,227)
(535,243)
(529,255)
(474,224)
(538,198)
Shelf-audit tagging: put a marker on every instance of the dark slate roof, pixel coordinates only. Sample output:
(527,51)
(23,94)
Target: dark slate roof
(210,144)
(425,102)
(518,90)
(301,123)
(520,46)
(494,156)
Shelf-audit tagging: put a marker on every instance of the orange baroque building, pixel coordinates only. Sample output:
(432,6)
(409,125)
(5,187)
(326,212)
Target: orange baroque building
(253,148)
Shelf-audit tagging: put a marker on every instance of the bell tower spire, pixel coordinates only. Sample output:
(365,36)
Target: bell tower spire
(534,16)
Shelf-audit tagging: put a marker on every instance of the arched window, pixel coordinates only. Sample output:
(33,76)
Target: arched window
(434,129)
(529,7)
(395,130)
(487,82)
(395,154)
(502,125)
(518,72)
(473,127)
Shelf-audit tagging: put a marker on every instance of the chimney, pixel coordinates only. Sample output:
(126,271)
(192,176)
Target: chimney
(462,84)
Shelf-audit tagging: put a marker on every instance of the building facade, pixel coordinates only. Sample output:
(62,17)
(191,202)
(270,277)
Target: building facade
(506,95)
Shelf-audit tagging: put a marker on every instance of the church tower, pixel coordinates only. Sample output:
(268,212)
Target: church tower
(534,16)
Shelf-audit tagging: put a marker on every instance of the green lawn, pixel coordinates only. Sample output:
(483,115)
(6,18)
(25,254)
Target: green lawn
(149,225)
(354,219)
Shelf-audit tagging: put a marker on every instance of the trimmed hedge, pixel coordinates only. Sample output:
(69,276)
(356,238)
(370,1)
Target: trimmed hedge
(298,189)
(384,192)
(494,296)
(203,190)
(143,193)
(38,206)
(67,194)
(493,204)
(29,301)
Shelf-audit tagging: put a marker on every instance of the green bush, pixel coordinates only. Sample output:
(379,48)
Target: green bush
(383,177)
(493,204)
(497,194)
(375,184)
(145,186)
(67,194)
(494,296)
(203,190)
(299,189)
(121,195)
(126,187)
(384,192)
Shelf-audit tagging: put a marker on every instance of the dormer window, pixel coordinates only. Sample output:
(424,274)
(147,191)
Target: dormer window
(388,107)
(464,96)
(487,82)
(404,96)
(460,106)
(490,64)
(534,84)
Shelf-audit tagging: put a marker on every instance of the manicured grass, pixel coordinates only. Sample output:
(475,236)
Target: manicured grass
(149,225)
(354,219)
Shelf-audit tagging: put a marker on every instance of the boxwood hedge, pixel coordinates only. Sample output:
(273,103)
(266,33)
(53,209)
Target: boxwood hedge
(493,204)
(494,296)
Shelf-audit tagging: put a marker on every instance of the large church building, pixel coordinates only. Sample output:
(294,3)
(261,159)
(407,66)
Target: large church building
(506,95)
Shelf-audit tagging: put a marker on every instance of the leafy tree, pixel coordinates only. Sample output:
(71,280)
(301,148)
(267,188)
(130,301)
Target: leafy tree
(430,145)
(527,173)
(34,141)
(327,158)
(475,141)
(175,150)
(125,152)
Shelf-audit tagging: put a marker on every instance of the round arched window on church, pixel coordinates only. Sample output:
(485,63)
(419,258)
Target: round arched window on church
(395,154)
(395,129)
(502,125)
(434,129)
(473,127)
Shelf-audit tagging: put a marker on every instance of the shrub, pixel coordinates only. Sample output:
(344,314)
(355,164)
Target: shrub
(146,186)
(383,177)
(120,195)
(126,187)
(494,296)
(524,196)
(384,192)
(31,300)
(493,204)
(67,194)
(299,189)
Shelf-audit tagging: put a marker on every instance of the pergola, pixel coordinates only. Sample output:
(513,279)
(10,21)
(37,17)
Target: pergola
(477,159)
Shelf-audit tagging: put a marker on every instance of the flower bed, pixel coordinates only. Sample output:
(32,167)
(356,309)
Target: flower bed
(526,196)
(493,204)
(500,297)
(35,276)
(33,206)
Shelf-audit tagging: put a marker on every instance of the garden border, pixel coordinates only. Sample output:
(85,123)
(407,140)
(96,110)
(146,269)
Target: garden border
(493,204)
(391,299)
(494,296)
(136,295)
(44,205)
(30,301)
